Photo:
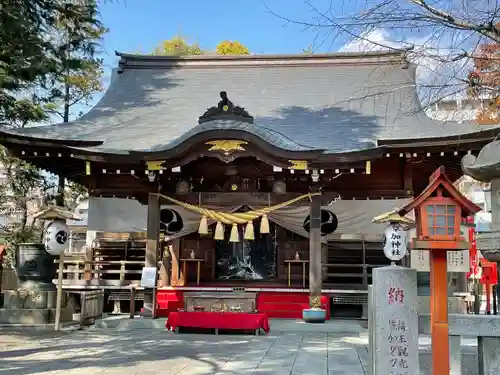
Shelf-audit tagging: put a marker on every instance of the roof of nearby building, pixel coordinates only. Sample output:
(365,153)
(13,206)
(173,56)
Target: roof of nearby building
(334,102)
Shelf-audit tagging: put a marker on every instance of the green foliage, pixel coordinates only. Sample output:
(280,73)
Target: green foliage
(20,197)
(48,60)
(228,47)
(177,46)
(76,37)
(25,56)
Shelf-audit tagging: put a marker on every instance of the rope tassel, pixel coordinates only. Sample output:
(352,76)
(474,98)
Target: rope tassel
(264,224)
(235,236)
(219,232)
(203,229)
(249,231)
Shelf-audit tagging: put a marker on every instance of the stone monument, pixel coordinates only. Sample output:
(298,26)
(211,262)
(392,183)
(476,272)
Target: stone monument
(393,321)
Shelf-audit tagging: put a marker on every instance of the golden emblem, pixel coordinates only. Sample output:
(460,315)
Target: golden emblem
(300,165)
(226,146)
(155,165)
(225,108)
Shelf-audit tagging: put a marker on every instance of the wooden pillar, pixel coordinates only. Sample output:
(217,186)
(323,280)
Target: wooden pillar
(408,176)
(61,186)
(439,313)
(315,246)
(152,241)
(175,275)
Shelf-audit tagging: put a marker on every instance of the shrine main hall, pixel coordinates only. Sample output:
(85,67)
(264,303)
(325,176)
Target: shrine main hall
(252,179)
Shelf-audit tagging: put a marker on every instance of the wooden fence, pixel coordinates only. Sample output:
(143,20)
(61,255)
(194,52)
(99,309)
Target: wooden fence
(92,305)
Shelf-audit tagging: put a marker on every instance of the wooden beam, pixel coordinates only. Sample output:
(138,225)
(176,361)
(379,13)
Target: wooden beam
(152,241)
(315,280)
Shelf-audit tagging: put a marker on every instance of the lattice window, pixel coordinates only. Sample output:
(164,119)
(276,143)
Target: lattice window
(442,218)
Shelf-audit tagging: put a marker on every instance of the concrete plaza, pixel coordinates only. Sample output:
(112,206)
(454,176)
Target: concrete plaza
(147,352)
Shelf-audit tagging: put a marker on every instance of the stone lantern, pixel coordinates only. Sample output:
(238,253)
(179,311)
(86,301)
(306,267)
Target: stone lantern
(486,168)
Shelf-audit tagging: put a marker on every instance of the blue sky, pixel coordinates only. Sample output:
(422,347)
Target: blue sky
(140,25)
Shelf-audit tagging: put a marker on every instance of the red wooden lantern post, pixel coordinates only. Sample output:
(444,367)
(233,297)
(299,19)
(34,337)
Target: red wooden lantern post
(439,210)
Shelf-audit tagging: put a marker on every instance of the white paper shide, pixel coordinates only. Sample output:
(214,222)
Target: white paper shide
(395,242)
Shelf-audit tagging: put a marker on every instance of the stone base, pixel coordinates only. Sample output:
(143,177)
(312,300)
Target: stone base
(29,299)
(33,316)
(34,307)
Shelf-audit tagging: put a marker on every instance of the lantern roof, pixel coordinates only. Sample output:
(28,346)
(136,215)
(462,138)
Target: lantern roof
(393,217)
(54,212)
(439,179)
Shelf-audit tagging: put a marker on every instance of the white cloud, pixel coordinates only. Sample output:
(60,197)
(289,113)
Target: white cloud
(437,75)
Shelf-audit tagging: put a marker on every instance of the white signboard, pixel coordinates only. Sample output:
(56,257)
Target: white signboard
(148,277)
(458,261)
(395,242)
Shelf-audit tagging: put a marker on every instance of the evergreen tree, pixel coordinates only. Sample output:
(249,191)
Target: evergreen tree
(76,37)
(46,47)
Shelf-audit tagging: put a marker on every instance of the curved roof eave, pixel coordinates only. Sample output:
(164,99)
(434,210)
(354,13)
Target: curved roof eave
(482,135)
(19,138)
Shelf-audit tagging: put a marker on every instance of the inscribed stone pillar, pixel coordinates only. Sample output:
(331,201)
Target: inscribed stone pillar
(152,239)
(315,246)
(395,321)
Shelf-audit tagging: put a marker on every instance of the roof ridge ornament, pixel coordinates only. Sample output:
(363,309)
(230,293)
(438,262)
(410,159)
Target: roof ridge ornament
(225,110)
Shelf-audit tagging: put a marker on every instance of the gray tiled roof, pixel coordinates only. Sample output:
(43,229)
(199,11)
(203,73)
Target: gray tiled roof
(337,103)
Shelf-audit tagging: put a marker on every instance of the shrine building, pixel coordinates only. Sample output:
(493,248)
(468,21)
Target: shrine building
(248,181)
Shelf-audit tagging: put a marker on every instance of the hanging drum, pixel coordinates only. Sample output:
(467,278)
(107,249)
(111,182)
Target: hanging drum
(329,222)
(56,238)
(170,221)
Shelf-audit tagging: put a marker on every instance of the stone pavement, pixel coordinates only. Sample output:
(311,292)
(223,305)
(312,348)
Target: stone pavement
(145,352)
(148,352)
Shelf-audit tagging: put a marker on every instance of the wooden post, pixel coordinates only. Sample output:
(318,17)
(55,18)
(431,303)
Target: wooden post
(132,303)
(152,241)
(174,249)
(315,247)
(122,272)
(439,313)
(59,292)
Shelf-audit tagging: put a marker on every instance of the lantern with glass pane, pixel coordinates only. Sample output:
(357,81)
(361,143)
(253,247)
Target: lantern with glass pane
(439,210)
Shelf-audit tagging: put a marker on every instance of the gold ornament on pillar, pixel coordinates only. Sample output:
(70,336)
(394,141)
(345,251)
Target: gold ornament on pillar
(235,236)
(203,229)
(249,231)
(219,232)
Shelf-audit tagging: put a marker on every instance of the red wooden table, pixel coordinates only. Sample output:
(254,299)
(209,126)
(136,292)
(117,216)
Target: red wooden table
(218,320)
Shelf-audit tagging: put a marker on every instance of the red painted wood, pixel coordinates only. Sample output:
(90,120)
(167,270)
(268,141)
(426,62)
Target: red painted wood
(168,301)
(287,305)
